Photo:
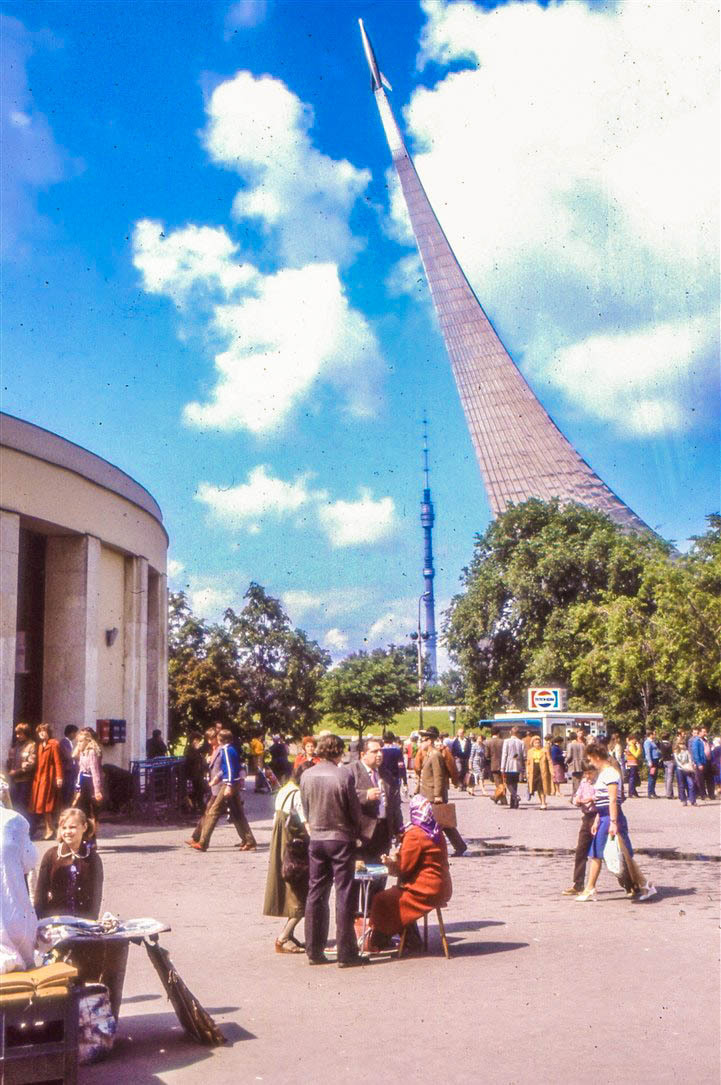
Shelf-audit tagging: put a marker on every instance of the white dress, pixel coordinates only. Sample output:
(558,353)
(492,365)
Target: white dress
(18,922)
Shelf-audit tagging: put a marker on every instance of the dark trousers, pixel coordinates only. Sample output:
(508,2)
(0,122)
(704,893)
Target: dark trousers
(227,797)
(370,852)
(686,786)
(708,779)
(585,836)
(332,862)
(634,779)
(512,785)
(652,777)
(669,771)
(455,840)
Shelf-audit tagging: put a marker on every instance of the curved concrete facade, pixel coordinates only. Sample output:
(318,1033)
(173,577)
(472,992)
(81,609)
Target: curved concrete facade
(84,591)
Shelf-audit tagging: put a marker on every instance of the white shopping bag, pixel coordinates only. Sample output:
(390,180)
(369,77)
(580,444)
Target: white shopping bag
(612,856)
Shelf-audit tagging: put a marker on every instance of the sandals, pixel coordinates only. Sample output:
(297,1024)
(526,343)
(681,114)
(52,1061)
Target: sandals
(291,946)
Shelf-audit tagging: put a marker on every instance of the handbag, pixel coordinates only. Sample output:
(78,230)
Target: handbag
(445,814)
(295,861)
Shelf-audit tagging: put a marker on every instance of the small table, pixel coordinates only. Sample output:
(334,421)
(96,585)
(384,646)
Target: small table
(373,872)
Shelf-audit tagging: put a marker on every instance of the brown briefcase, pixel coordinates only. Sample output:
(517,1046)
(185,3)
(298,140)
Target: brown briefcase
(445,814)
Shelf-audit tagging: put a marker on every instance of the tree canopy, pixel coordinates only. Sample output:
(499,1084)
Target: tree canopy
(253,671)
(559,595)
(367,689)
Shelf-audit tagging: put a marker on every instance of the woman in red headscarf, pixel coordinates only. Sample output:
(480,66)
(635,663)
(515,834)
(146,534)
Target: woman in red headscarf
(424,875)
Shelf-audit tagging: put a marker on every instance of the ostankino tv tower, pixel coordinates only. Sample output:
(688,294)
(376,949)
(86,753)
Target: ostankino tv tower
(427,519)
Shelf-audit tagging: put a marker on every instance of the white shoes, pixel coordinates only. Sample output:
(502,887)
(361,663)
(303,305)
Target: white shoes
(648,891)
(587,894)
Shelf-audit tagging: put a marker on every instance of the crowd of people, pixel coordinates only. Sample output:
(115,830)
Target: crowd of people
(45,774)
(689,761)
(337,811)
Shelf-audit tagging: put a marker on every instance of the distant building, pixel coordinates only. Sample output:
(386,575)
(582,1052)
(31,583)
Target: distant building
(83,556)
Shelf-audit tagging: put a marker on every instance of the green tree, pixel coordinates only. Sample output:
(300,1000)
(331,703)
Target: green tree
(367,689)
(204,683)
(518,623)
(280,667)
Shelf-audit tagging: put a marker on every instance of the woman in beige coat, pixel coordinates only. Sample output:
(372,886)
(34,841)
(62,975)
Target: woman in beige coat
(539,770)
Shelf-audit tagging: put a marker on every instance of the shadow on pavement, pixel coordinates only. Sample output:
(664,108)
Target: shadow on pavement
(155,1040)
(148,848)
(474,924)
(482,949)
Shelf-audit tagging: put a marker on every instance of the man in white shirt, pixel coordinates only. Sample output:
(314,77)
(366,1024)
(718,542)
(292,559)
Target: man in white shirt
(512,762)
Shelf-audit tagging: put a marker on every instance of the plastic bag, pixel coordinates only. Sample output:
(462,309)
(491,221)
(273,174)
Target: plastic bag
(612,856)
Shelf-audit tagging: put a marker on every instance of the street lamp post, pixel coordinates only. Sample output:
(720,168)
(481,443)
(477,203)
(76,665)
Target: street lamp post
(419,637)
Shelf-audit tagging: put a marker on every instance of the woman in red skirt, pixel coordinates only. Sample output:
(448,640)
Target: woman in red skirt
(424,877)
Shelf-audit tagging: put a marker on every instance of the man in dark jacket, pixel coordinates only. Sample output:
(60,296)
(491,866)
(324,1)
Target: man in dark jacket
(461,750)
(494,746)
(333,811)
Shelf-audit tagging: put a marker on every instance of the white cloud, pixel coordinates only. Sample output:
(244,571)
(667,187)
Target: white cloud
(277,334)
(330,604)
(249,504)
(195,259)
(244,13)
(636,379)
(336,640)
(208,601)
(297,327)
(32,160)
(575,172)
(259,128)
(262,497)
(175,568)
(357,523)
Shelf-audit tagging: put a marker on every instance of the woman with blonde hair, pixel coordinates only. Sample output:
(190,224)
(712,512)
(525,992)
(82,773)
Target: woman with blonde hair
(48,779)
(89,786)
(539,770)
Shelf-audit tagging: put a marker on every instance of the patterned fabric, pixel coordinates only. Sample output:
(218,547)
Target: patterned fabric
(422,816)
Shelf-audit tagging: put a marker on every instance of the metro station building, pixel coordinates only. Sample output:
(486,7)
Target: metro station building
(83,583)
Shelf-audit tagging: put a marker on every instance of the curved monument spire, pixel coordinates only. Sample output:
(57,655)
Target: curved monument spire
(520,450)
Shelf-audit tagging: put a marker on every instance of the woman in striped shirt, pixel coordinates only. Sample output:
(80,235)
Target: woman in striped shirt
(610,821)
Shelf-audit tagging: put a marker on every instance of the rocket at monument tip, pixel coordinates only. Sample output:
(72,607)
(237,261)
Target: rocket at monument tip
(378,80)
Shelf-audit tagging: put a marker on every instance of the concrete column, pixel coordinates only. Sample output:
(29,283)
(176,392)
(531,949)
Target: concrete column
(9,552)
(135,659)
(157,653)
(70,672)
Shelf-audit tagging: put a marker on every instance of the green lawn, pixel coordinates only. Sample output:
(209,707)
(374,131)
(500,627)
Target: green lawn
(405,722)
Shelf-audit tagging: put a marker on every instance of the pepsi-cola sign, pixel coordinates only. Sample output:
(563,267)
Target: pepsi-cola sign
(545,698)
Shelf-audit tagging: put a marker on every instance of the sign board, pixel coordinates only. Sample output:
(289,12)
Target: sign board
(546,699)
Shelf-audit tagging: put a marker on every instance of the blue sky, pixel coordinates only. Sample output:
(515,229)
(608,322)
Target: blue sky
(208,278)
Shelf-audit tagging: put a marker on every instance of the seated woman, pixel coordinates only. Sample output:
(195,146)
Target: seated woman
(70,878)
(424,874)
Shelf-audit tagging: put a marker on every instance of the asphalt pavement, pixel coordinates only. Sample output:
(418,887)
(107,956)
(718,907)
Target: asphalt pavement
(539,988)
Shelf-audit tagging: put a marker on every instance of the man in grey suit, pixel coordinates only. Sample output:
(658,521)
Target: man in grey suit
(575,754)
(513,760)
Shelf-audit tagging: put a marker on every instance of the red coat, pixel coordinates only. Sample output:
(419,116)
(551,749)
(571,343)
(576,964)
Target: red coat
(425,883)
(48,774)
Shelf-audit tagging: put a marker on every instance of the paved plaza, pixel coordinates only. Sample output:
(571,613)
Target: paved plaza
(539,988)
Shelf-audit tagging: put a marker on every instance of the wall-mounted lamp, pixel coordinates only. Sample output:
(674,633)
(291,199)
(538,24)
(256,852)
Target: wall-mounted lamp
(111,636)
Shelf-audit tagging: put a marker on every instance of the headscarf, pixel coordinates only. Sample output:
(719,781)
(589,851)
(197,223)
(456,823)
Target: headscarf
(421,812)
